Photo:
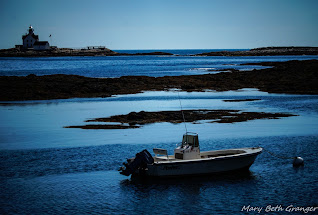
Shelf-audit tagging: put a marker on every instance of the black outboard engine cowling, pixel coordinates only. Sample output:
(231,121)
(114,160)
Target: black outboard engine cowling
(141,160)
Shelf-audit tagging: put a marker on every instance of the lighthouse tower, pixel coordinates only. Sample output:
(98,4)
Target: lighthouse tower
(29,39)
(31,30)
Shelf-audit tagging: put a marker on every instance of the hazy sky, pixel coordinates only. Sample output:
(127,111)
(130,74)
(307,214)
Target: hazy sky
(162,24)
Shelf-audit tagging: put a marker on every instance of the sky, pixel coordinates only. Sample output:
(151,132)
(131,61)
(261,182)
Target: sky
(162,24)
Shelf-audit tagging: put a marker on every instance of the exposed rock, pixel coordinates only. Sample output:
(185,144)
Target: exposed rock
(141,118)
(293,77)
(267,51)
(56,52)
(240,100)
(146,53)
(103,126)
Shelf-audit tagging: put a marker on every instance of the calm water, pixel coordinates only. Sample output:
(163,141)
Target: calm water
(133,65)
(48,169)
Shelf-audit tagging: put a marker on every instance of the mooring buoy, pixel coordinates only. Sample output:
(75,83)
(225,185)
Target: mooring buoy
(298,161)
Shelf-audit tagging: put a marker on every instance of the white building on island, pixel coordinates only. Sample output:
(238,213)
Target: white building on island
(31,41)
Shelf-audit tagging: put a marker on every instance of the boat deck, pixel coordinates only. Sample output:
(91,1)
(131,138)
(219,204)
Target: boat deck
(210,154)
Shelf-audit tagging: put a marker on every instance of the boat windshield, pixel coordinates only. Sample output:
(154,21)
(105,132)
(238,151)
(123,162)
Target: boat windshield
(190,139)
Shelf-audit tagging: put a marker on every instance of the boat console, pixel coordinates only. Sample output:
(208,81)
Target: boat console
(189,147)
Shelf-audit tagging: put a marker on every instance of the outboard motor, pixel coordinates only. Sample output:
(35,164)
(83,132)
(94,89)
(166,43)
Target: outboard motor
(140,161)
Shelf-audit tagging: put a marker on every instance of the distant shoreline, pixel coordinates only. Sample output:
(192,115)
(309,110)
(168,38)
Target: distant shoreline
(59,52)
(291,77)
(267,51)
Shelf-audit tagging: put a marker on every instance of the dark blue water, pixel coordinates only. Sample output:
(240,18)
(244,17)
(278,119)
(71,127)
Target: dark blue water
(84,180)
(117,66)
(48,169)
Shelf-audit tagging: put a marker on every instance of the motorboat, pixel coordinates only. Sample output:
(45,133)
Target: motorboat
(188,160)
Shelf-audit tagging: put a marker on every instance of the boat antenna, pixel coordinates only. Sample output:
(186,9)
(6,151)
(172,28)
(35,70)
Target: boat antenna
(185,124)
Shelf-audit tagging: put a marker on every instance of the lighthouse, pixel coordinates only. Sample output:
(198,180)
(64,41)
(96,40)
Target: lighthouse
(30,38)
(31,41)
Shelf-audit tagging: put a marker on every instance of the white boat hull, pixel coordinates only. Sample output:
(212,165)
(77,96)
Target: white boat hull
(210,163)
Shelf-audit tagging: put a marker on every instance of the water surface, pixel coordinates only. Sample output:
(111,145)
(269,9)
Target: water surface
(48,169)
(117,66)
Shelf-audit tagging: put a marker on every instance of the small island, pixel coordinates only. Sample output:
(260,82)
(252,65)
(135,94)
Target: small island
(241,100)
(267,51)
(137,119)
(33,47)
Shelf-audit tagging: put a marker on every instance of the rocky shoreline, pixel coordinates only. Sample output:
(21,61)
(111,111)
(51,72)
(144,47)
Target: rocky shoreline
(241,100)
(267,51)
(61,52)
(291,77)
(58,52)
(137,119)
